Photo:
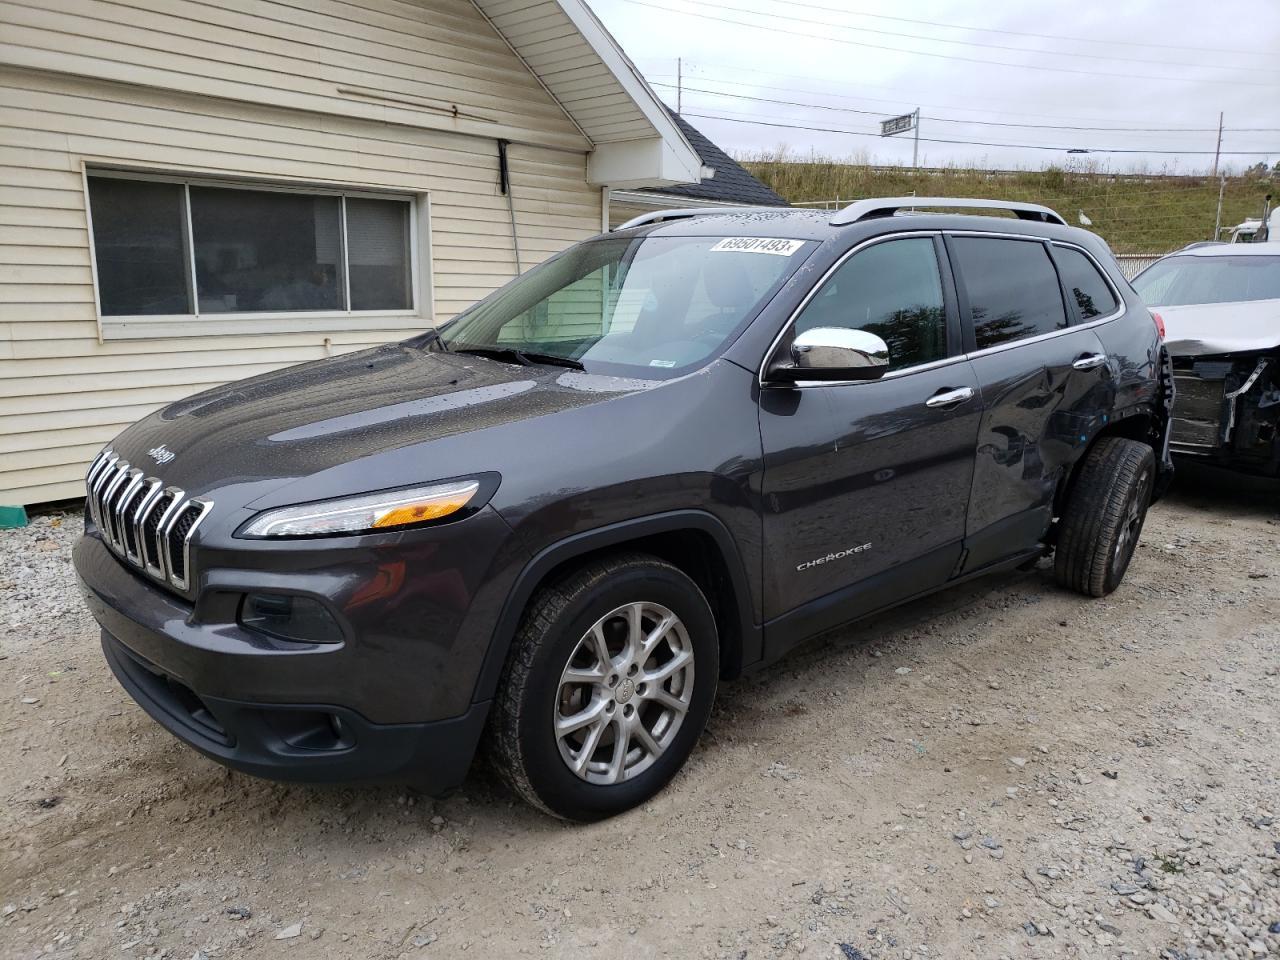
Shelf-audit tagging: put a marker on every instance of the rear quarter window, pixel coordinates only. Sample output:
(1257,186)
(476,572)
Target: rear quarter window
(1085,284)
(1012,288)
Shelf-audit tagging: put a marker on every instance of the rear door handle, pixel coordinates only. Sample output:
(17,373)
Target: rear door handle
(1089,361)
(950,398)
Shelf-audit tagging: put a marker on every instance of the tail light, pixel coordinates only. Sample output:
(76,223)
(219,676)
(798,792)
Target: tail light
(1159,320)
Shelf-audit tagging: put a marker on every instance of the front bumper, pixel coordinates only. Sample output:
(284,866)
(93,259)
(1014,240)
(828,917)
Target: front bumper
(313,743)
(393,701)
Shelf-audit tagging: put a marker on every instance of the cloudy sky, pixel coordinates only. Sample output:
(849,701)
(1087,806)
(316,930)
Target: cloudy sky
(1154,73)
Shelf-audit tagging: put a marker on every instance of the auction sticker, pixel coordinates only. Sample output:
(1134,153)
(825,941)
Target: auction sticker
(780,248)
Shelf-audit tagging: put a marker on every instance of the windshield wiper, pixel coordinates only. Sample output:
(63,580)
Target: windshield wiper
(522,357)
(551,360)
(429,338)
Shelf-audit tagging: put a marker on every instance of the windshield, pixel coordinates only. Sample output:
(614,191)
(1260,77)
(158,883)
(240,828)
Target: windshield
(1177,281)
(621,305)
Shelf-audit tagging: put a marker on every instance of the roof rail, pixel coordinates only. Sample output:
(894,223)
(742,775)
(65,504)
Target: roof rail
(888,206)
(685,212)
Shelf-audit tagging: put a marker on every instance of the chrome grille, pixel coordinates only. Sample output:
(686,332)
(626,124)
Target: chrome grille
(149,525)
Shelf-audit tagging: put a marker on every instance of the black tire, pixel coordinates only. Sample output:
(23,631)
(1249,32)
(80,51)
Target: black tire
(1103,518)
(521,740)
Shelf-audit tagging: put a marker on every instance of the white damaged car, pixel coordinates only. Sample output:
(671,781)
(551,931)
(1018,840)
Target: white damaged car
(1220,304)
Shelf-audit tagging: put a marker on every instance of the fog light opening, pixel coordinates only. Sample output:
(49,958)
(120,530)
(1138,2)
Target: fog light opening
(289,617)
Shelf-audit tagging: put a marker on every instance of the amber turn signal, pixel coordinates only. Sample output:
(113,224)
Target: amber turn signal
(425,510)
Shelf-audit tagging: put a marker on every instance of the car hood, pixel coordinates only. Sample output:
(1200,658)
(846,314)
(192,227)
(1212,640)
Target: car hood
(264,432)
(1198,330)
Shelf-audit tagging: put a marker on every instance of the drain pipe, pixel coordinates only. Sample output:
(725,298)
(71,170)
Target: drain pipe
(504,184)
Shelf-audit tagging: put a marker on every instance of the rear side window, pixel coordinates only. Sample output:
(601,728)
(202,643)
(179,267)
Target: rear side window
(893,290)
(1085,284)
(1012,286)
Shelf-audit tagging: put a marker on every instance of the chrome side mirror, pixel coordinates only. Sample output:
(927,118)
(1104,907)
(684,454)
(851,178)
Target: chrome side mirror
(834,353)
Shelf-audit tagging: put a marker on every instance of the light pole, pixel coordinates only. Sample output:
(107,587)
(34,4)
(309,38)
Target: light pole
(915,150)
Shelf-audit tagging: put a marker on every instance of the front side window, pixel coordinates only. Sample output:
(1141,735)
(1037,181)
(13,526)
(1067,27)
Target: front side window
(1177,281)
(174,248)
(891,289)
(1012,286)
(649,306)
(1092,294)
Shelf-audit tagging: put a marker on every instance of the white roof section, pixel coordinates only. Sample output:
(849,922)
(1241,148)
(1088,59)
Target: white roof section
(1269,248)
(564,45)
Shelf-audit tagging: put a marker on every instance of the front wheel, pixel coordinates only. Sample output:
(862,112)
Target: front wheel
(608,685)
(1104,514)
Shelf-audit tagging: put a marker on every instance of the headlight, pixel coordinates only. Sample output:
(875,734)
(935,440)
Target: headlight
(368,513)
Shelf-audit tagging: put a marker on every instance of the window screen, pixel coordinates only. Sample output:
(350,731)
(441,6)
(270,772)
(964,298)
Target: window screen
(893,290)
(378,234)
(1012,286)
(258,250)
(250,250)
(139,246)
(1084,284)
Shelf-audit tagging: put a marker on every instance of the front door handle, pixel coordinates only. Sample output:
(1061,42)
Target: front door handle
(950,398)
(1090,360)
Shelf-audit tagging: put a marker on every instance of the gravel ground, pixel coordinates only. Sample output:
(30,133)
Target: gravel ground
(1006,770)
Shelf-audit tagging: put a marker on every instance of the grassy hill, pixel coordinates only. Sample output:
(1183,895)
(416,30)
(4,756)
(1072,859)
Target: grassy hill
(1134,212)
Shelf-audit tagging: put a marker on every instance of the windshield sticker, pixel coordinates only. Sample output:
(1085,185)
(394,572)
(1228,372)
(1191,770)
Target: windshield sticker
(662,363)
(779,248)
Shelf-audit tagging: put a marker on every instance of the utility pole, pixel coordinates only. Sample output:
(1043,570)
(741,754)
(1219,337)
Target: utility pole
(1217,219)
(680,96)
(915,150)
(1217,150)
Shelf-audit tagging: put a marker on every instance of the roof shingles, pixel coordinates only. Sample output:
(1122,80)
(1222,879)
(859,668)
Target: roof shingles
(731,184)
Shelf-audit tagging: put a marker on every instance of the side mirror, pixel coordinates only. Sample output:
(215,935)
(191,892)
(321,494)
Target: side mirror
(834,353)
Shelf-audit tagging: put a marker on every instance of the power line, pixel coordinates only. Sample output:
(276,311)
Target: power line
(1075,147)
(1037,36)
(939,56)
(1127,186)
(985,123)
(981,143)
(897,101)
(792,17)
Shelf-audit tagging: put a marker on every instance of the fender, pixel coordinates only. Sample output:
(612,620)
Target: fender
(751,643)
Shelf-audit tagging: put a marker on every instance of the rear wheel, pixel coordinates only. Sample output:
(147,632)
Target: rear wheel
(608,686)
(1104,515)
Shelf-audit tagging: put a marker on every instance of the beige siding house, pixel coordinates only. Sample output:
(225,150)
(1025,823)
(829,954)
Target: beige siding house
(192,192)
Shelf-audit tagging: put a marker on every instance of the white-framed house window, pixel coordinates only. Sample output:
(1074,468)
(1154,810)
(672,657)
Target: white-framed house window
(171,248)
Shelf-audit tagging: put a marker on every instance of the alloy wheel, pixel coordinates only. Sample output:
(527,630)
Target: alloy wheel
(624,693)
(1131,526)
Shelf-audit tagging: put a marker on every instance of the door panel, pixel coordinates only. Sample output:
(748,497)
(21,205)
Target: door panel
(860,479)
(1039,413)
(1045,389)
(865,484)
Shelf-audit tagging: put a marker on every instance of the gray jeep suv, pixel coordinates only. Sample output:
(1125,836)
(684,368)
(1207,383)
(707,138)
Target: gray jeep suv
(660,459)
